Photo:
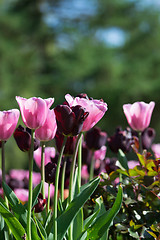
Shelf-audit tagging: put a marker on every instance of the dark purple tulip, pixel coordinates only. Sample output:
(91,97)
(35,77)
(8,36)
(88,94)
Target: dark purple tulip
(69,146)
(70,119)
(122,139)
(50,172)
(40,205)
(148,136)
(95,138)
(22,137)
(108,165)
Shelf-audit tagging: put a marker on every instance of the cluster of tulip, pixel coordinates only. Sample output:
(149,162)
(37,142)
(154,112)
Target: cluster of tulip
(78,143)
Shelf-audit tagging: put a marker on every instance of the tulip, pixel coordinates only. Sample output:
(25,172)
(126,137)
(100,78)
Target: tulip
(34,110)
(39,207)
(138,115)
(49,128)
(22,137)
(148,136)
(100,154)
(49,153)
(70,119)
(22,194)
(95,138)
(69,146)
(8,122)
(95,108)
(156,149)
(50,172)
(122,139)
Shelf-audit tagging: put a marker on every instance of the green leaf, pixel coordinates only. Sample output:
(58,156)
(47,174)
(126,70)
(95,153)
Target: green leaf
(74,207)
(14,225)
(90,219)
(78,220)
(40,228)
(123,160)
(36,192)
(141,159)
(102,223)
(34,232)
(20,210)
(16,206)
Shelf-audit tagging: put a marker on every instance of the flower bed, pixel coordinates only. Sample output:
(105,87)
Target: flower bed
(79,191)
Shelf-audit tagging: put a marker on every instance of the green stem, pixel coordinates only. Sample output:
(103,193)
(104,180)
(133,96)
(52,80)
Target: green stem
(7,229)
(73,167)
(140,142)
(3,164)
(63,180)
(80,160)
(72,170)
(48,203)
(42,168)
(56,190)
(91,173)
(30,186)
(4,171)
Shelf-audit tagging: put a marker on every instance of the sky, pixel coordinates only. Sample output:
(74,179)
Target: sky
(69,11)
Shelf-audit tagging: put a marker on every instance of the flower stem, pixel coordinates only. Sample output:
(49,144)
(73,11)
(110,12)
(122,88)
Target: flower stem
(71,178)
(3,164)
(8,231)
(140,142)
(73,167)
(30,186)
(91,173)
(63,180)
(42,168)
(56,190)
(48,203)
(80,160)
(4,171)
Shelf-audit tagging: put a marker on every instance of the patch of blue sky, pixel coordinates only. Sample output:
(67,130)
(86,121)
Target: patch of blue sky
(67,10)
(113,36)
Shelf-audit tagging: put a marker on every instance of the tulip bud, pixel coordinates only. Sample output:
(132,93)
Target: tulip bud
(50,172)
(40,205)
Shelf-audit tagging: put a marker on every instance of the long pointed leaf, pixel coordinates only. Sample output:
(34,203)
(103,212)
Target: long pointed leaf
(12,222)
(102,224)
(15,204)
(74,207)
(78,221)
(123,160)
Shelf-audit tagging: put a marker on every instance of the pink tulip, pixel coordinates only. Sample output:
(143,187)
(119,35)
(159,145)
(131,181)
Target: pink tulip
(49,128)
(34,110)
(138,114)
(132,164)
(50,152)
(19,174)
(156,149)
(84,172)
(101,153)
(96,109)
(8,122)
(22,194)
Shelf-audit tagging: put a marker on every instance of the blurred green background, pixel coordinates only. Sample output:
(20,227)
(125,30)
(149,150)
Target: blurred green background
(109,49)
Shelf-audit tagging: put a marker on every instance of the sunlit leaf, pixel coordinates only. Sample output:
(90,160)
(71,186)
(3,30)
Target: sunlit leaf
(102,224)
